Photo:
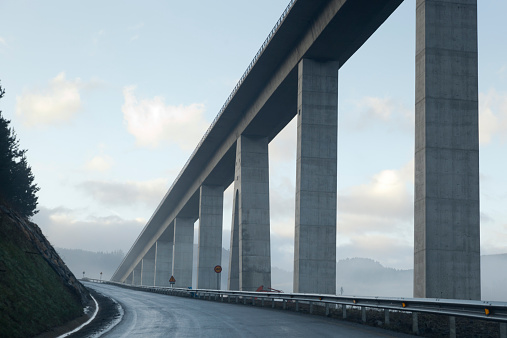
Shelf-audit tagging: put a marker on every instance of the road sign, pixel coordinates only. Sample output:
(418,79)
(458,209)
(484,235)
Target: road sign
(172,280)
(218,269)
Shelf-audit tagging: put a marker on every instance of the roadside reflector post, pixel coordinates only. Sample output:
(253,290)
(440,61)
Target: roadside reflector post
(452,327)
(415,323)
(503,330)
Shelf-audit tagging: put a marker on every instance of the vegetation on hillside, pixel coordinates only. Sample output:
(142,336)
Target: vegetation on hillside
(17,187)
(38,292)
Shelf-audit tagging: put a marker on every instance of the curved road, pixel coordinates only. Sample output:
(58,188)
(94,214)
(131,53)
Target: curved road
(155,315)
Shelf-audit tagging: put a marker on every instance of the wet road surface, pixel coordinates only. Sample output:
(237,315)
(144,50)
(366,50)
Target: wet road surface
(155,315)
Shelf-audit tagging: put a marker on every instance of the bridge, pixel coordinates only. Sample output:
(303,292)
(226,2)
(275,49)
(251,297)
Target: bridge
(296,73)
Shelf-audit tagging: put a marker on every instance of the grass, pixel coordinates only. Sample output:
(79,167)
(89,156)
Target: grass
(33,297)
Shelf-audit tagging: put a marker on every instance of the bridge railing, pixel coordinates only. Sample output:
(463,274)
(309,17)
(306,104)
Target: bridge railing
(484,310)
(240,82)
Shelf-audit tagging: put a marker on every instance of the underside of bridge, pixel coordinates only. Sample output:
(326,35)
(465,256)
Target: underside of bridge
(296,73)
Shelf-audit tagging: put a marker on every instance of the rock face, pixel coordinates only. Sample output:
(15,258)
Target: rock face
(38,291)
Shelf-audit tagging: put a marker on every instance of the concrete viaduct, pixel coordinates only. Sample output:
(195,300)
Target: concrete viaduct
(296,73)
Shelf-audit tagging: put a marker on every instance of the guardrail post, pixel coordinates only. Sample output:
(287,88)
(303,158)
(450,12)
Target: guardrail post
(311,307)
(297,305)
(452,327)
(262,302)
(386,316)
(284,304)
(273,303)
(344,311)
(503,330)
(327,309)
(237,299)
(253,301)
(415,323)
(363,314)
(244,300)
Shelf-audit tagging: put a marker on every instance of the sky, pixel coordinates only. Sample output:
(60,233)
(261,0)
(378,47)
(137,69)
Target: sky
(110,99)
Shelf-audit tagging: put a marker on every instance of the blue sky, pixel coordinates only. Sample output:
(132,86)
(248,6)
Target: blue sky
(110,98)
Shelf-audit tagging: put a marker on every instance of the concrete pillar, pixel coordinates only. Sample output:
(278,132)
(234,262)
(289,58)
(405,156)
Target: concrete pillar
(164,257)
(137,273)
(183,251)
(209,250)
(148,268)
(317,139)
(130,278)
(251,212)
(233,280)
(446,213)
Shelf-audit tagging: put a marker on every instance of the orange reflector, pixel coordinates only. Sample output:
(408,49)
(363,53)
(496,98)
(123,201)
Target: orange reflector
(354,301)
(403,304)
(486,311)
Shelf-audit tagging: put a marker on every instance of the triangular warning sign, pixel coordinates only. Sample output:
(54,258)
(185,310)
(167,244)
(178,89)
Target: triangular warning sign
(172,280)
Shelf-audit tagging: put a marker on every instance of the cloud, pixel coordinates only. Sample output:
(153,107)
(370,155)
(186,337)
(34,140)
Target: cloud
(492,116)
(149,193)
(152,122)
(65,228)
(375,220)
(56,104)
(371,110)
(2,41)
(100,163)
(386,196)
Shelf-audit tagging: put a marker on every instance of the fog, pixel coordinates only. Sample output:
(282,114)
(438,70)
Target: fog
(355,276)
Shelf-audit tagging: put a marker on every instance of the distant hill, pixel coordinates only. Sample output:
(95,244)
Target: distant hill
(366,277)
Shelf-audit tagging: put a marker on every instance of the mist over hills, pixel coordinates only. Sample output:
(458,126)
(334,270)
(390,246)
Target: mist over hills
(357,276)
(92,263)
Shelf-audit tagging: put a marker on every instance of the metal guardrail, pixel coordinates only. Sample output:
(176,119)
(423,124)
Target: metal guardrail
(485,310)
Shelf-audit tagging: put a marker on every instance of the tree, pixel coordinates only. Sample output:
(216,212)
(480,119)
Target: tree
(17,187)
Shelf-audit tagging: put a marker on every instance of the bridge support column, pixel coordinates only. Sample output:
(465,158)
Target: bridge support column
(233,280)
(317,139)
(210,236)
(164,257)
(446,213)
(148,268)
(183,251)
(250,238)
(137,273)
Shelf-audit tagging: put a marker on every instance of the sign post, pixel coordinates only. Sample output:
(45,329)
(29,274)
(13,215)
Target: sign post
(218,270)
(172,281)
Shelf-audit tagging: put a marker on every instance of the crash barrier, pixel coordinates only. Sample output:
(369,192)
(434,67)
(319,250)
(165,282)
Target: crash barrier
(474,309)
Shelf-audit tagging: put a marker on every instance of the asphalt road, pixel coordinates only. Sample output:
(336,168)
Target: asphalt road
(155,315)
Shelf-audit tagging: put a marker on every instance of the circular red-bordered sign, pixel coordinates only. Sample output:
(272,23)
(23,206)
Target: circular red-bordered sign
(218,269)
